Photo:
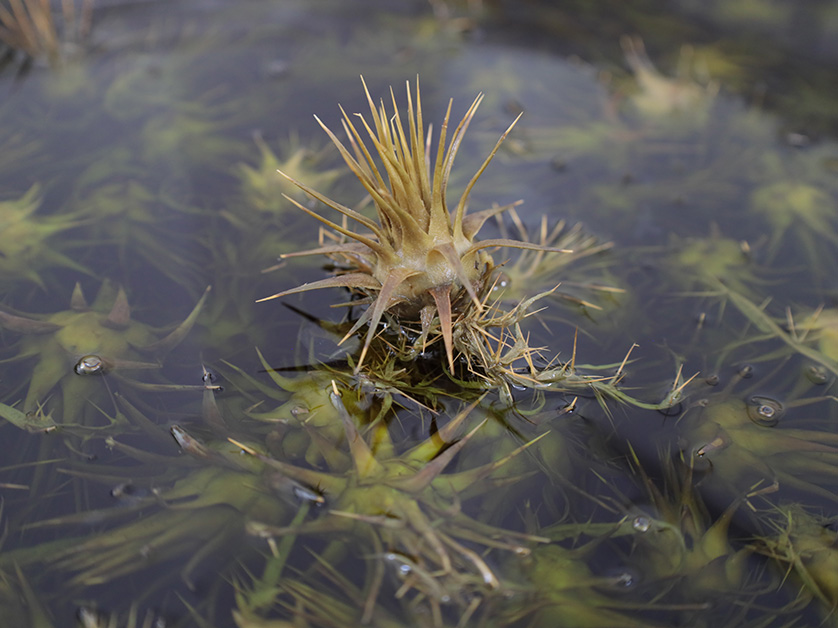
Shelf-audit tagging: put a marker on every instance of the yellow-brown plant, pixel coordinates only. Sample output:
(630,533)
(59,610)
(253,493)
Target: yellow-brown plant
(421,262)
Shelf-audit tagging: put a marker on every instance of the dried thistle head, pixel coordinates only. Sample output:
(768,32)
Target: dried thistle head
(420,260)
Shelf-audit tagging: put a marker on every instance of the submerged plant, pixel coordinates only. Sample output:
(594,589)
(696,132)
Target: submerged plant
(658,95)
(402,510)
(699,264)
(796,195)
(818,327)
(89,617)
(20,604)
(676,537)
(25,245)
(398,513)
(804,544)
(740,447)
(73,348)
(421,262)
(264,191)
(143,220)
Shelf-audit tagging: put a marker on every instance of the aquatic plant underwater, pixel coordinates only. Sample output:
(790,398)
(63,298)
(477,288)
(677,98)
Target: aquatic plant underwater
(462,430)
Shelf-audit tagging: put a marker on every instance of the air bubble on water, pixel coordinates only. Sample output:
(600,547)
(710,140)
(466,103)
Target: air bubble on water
(765,411)
(89,365)
(641,523)
(817,374)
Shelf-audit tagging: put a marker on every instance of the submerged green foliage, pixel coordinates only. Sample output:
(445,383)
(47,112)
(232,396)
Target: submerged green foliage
(73,348)
(27,239)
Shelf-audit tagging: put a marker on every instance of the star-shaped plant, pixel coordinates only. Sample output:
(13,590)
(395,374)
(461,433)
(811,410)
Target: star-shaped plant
(804,544)
(25,238)
(660,96)
(675,536)
(264,190)
(737,445)
(421,262)
(74,346)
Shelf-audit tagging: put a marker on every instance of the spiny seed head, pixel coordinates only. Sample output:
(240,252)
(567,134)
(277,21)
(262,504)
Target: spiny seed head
(419,256)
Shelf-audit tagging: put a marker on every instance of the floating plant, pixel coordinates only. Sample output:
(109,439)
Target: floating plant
(420,269)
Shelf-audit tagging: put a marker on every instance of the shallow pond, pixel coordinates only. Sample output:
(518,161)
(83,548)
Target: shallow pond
(653,444)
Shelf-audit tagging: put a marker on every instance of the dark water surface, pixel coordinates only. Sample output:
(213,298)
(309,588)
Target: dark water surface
(689,147)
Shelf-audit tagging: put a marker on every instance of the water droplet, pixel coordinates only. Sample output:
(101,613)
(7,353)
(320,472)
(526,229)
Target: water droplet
(405,569)
(641,523)
(89,365)
(817,374)
(746,372)
(712,380)
(765,411)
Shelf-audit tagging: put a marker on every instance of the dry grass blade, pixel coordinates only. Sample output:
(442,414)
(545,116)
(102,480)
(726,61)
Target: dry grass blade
(30,26)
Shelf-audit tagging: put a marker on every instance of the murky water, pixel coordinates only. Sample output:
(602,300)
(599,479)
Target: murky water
(179,456)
